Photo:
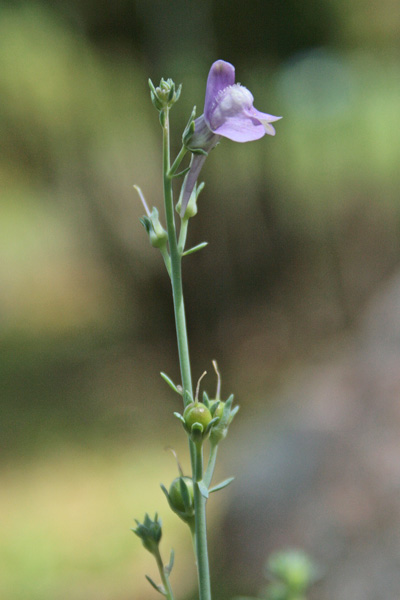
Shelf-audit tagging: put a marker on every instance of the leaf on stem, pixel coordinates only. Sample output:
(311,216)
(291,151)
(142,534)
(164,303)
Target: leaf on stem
(203,489)
(159,588)
(168,567)
(183,172)
(221,485)
(170,383)
(195,248)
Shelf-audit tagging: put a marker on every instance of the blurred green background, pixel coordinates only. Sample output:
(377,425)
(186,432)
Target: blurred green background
(302,229)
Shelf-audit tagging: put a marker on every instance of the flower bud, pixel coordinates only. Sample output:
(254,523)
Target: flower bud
(217,408)
(178,496)
(157,235)
(181,498)
(191,208)
(149,532)
(226,413)
(165,95)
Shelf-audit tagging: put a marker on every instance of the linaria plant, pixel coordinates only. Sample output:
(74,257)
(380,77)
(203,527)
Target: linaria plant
(228,112)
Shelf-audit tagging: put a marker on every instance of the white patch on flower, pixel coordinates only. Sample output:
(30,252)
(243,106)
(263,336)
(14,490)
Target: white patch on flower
(268,127)
(229,102)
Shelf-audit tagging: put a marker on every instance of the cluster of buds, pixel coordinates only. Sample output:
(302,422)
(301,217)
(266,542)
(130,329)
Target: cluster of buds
(164,96)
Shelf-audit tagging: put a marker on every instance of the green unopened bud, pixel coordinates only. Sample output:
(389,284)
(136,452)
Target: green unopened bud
(181,495)
(191,207)
(149,532)
(165,95)
(225,414)
(216,408)
(181,498)
(157,235)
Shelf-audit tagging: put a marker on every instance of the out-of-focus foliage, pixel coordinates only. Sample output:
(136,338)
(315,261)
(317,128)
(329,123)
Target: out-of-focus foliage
(301,229)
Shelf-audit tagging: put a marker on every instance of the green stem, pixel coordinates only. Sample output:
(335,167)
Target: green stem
(203,569)
(167,260)
(164,578)
(176,270)
(184,359)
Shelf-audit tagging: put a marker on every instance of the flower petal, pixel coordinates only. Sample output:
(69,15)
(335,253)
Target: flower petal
(241,128)
(221,75)
(249,125)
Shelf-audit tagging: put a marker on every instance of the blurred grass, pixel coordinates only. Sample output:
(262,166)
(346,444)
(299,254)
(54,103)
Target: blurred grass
(65,521)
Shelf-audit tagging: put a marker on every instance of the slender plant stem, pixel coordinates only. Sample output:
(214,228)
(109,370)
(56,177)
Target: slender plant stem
(167,260)
(164,578)
(184,360)
(176,270)
(203,569)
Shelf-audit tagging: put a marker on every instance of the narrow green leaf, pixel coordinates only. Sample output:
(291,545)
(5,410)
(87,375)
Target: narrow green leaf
(170,382)
(179,416)
(159,588)
(195,248)
(221,485)
(168,567)
(203,489)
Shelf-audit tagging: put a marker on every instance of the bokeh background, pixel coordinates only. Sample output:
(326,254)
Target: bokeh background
(295,288)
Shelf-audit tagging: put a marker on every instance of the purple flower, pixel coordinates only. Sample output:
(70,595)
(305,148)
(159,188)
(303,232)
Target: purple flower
(228,112)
